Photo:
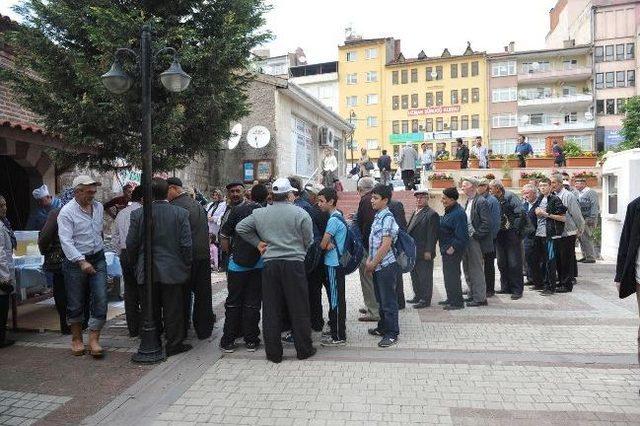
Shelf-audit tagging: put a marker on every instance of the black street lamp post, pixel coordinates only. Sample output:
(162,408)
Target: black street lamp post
(117,81)
(352,117)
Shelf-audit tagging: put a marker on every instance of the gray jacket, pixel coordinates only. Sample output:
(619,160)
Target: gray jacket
(171,244)
(287,230)
(408,158)
(481,221)
(574,221)
(7,267)
(199,225)
(589,204)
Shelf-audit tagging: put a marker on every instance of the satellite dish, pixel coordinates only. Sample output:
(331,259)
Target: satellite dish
(302,59)
(524,119)
(236,133)
(434,74)
(258,137)
(588,116)
(535,65)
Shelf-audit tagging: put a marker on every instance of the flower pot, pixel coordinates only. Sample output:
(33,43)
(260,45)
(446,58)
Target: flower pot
(447,164)
(523,181)
(581,161)
(474,163)
(497,163)
(442,183)
(592,182)
(540,162)
(507,182)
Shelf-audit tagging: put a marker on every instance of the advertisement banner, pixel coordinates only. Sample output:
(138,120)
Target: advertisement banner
(450,109)
(612,138)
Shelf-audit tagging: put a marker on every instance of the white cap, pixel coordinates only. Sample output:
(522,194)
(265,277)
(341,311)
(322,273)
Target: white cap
(282,186)
(40,193)
(84,180)
(314,188)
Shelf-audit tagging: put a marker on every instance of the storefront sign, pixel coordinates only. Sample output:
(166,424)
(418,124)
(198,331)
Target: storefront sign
(612,138)
(434,110)
(406,137)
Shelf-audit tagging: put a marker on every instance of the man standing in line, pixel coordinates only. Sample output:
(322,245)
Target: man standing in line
(427,158)
(481,153)
(384,164)
(85,268)
(408,159)
(480,242)
(529,197)
(382,264)
(423,227)
(244,278)
(462,153)
(132,296)
(283,233)
(523,149)
(46,203)
(200,281)
(489,259)
(573,226)
(397,210)
(172,253)
(590,208)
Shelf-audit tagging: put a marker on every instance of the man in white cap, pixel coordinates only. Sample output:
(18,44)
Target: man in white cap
(283,233)
(85,269)
(46,203)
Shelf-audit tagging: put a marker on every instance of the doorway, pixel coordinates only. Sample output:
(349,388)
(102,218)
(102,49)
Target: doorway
(15,187)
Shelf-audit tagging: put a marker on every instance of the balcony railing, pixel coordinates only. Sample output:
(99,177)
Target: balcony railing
(556,125)
(569,72)
(549,99)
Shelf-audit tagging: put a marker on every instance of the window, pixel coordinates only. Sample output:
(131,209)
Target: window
(373,144)
(536,119)
(608,53)
(609,80)
(371,53)
(600,80)
(439,99)
(569,64)
(464,69)
(599,54)
(631,78)
(600,106)
(414,75)
(395,125)
(583,141)
(620,78)
(414,100)
(429,99)
(439,124)
(352,78)
(610,106)
(612,190)
(404,76)
(439,72)
(351,56)
(503,146)
(464,96)
(505,94)
(504,120)
(454,70)
(537,66)
(454,123)
(569,90)
(372,121)
(372,99)
(620,105)
(395,102)
(571,117)
(630,51)
(464,122)
(352,101)
(372,76)
(429,125)
(394,77)
(405,101)
(475,68)
(414,126)
(619,52)
(475,121)
(405,126)
(503,69)
(475,95)
(429,71)
(454,97)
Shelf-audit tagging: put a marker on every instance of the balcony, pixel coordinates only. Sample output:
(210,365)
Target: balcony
(583,99)
(548,75)
(556,125)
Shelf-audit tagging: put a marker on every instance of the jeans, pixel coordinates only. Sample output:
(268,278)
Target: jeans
(452,278)
(78,284)
(543,262)
(337,303)
(528,244)
(316,280)
(427,167)
(385,281)
(509,250)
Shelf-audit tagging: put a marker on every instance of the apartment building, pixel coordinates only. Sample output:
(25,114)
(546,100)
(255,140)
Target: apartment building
(319,80)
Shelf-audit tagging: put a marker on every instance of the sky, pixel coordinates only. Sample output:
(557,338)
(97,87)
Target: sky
(318,26)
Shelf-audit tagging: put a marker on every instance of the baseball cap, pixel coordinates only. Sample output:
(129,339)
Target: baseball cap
(174,181)
(282,186)
(421,192)
(84,180)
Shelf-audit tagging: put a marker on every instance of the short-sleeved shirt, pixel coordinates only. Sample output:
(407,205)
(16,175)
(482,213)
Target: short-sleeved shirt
(384,225)
(337,229)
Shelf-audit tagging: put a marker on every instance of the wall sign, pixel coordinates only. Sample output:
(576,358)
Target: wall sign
(260,170)
(433,110)
(248,168)
(301,138)
(258,137)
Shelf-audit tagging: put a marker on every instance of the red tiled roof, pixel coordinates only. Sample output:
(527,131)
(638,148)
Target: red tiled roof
(27,127)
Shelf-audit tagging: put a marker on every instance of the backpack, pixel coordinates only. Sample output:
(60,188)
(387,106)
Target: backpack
(350,259)
(404,249)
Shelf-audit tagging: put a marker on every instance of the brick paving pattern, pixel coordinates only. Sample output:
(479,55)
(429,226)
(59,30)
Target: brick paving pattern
(20,408)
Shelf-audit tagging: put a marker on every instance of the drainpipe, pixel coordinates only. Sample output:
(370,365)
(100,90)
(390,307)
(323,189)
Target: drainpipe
(593,76)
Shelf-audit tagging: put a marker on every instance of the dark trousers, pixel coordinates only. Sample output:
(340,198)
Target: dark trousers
(200,286)
(542,262)
(168,312)
(132,297)
(242,307)
(4,314)
(60,299)
(337,303)
(528,243)
(567,261)
(509,251)
(400,290)
(284,283)
(384,283)
(490,271)
(521,161)
(422,280)
(317,279)
(408,177)
(453,278)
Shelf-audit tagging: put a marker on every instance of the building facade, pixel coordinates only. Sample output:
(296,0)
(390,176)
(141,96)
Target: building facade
(277,65)
(320,81)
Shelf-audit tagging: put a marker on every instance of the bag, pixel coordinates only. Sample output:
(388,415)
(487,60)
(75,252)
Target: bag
(404,249)
(350,259)
(313,257)
(368,165)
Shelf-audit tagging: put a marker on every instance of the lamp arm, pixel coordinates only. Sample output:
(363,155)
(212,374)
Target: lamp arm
(127,50)
(173,51)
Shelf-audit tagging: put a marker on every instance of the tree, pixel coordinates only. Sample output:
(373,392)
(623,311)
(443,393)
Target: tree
(68,44)
(631,124)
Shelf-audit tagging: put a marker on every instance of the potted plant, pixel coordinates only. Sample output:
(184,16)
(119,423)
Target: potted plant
(540,161)
(525,177)
(441,180)
(496,161)
(445,162)
(474,163)
(589,176)
(576,157)
(490,177)
(506,173)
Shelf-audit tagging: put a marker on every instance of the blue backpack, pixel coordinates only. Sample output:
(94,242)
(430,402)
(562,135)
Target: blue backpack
(351,257)
(404,249)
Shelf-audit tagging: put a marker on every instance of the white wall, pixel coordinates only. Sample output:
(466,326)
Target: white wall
(323,87)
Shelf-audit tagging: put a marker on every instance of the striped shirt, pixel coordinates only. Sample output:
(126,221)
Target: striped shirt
(384,225)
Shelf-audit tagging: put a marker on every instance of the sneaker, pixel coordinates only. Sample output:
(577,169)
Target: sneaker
(333,342)
(228,348)
(547,292)
(252,346)
(288,338)
(375,332)
(387,342)
(414,300)
(443,302)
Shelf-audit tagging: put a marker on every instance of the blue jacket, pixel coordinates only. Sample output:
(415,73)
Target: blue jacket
(454,230)
(494,212)
(524,149)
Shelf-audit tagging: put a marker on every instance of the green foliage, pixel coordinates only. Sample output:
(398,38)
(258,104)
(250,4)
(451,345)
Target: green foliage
(572,149)
(68,44)
(631,124)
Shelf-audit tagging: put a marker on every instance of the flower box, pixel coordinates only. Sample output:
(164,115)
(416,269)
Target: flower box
(447,164)
(442,183)
(507,182)
(497,163)
(591,181)
(540,162)
(581,161)
(523,181)
(474,163)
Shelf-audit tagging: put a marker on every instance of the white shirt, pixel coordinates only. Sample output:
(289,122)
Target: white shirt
(215,218)
(330,164)
(427,157)
(80,233)
(123,220)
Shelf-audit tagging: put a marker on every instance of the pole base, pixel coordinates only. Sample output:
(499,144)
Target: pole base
(148,358)
(150,350)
